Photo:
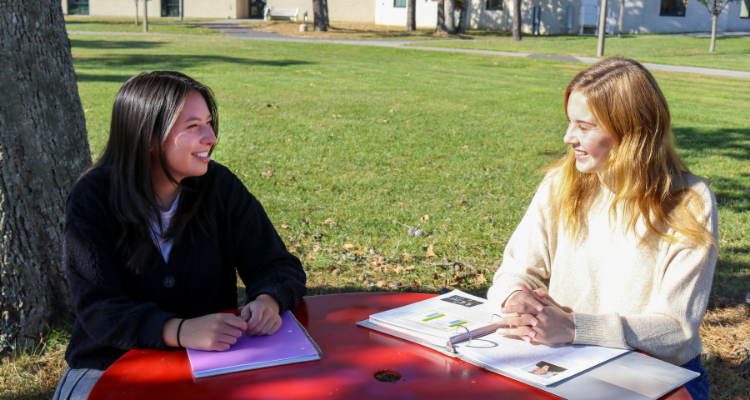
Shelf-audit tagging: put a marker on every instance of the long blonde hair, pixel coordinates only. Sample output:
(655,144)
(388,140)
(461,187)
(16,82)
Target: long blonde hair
(643,170)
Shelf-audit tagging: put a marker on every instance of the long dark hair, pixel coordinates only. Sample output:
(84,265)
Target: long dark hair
(145,109)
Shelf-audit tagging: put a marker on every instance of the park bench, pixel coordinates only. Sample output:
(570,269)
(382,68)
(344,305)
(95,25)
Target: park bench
(291,14)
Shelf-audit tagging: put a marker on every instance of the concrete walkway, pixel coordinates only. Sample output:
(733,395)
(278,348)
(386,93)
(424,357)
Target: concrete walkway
(232,30)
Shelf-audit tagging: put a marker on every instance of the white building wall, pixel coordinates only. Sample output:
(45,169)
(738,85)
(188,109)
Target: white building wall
(387,14)
(193,8)
(361,11)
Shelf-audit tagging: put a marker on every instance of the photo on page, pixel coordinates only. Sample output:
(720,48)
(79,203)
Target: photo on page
(544,369)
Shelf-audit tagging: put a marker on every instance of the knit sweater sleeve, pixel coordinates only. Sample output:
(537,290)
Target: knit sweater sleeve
(528,255)
(260,256)
(668,327)
(107,314)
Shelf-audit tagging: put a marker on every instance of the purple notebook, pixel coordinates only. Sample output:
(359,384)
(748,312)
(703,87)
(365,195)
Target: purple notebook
(290,344)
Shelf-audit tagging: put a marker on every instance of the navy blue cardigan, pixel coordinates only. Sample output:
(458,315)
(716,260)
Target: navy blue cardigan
(118,310)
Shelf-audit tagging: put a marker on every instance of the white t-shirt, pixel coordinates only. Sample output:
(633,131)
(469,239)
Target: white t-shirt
(165,246)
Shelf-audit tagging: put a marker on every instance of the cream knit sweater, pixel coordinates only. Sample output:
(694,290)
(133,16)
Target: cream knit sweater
(622,295)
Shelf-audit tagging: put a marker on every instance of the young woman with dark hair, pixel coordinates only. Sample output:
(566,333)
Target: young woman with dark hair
(156,233)
(619,244)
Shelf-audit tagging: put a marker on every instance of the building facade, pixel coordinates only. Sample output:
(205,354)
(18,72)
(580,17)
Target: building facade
(218,9)
(543,17)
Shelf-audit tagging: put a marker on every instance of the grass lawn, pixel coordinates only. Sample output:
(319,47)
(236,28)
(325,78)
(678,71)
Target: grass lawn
(349,146)
(155,25)
(731,53)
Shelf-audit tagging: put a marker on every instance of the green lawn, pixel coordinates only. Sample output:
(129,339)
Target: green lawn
(364,142)
(155,25)
(731,53)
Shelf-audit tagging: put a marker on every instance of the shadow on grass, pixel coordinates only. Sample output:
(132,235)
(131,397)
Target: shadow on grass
(732,279)
(733,143)
(114,44)
(158,61)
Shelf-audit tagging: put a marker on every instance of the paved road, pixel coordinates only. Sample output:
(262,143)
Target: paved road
(231,29)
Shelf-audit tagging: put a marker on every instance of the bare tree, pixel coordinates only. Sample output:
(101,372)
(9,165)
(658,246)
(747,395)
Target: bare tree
(440,28)
(602,29)
(43,148)
(136,12)
(319,16)
(516,20)
(411,15)
(622,19)
(714,7)
(450,17)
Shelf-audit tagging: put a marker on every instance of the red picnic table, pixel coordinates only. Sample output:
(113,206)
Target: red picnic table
(353,355)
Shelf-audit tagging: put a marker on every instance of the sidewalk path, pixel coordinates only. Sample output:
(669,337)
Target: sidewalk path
(232,30)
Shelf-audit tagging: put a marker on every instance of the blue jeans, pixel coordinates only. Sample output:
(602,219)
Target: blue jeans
(76,384)
(698,387)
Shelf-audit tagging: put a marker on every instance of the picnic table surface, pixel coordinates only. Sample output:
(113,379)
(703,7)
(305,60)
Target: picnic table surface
(352,357)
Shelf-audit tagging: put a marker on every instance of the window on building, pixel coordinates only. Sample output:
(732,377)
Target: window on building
(399,3)
(745,9)
(494,4)
(672,8)
(78,7)
(170,8)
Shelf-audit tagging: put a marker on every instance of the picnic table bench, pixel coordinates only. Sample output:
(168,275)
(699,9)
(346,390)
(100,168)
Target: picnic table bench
(290,13)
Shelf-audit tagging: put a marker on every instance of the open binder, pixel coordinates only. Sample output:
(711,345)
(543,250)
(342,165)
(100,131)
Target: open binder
(460,325)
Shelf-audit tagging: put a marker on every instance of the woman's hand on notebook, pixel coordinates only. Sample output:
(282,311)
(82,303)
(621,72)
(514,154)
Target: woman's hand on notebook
(213,332)
(262,316)
(538,320)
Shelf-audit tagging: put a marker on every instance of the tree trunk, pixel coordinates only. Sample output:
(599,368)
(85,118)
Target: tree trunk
(145,15)
(440,28)
(136,12)
(622,19)
(450,17)
(462,18)
(714,18)
(516,20)
(411,15)
(319,18)
(325,10)
(182,10)
(602,29)
(43,148)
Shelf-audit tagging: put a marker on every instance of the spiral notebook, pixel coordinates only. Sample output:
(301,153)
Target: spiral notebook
(290,344)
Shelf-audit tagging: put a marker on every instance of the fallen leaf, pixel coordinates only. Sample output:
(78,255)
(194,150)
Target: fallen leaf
(406,256)
(380,284)
(287,140)
(466,146)
(480,279)
(411,267)
(284,226)
(316,248)
(348,246)
(385,121)
(430,252)
(424,218)
(87,110)
(267,174)
(399,270)
(336,115)
(486,169)
(312,84)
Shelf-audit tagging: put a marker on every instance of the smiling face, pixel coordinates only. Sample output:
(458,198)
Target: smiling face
(591,143)
(188,143)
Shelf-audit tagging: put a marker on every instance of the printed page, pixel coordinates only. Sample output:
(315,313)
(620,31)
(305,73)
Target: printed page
(440,317)
(540,364)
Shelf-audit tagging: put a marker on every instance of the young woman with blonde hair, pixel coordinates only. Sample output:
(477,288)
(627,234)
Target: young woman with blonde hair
(619,244)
